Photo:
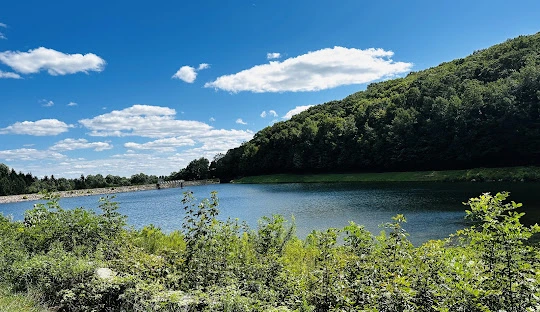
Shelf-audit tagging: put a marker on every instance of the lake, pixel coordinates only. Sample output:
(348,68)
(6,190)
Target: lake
(433,210)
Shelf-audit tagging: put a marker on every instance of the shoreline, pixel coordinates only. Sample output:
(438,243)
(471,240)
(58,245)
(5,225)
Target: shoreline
(508,174)
(104,190)
(78,193)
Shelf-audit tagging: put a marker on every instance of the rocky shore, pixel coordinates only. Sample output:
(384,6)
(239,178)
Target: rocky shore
(77,193)
(106,190)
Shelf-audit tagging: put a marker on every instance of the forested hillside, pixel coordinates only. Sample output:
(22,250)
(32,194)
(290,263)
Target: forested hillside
(478,111)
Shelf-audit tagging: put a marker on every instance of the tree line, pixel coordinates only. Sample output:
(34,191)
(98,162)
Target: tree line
(478,111)
(13,183)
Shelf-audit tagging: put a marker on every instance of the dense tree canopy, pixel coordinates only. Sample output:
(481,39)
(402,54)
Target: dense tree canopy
(482,110)
(197,169)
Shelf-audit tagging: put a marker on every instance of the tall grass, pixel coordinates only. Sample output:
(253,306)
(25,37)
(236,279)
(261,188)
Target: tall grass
(19,302)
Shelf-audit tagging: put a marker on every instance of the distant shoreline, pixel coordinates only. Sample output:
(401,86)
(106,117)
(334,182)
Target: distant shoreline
(103,191)
(79,193)
(509,174)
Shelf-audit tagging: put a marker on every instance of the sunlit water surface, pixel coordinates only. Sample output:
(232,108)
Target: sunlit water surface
(433,210)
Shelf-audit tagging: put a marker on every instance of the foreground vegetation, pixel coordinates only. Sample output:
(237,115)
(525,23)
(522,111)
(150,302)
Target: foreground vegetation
(11,302)
(479,174)
(481,110)
(81,260)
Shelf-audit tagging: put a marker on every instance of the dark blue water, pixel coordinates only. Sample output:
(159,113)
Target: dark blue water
(433,210)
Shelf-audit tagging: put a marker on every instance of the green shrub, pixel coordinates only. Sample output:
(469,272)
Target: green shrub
(51,273)
(79,228)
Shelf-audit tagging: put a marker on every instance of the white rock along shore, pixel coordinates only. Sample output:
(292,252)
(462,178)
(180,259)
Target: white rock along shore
(106,190)
(77,193)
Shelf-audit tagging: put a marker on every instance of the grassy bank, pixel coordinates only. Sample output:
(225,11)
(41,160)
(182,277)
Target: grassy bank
(10,302)
(478,174)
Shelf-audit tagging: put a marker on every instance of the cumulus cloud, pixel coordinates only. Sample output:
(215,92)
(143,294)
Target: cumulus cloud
(54,62)
(6,75)
(144,121)
(2,36)
(29,154)
(272,56)
(173,145)
(240,121)
(296,110)
(213,142)
(271,113)
(75,144)
(72,104)
(157,157)
(314,71)
(41,127)
(189,74)
(46,103)
(164,145)
(45,162)
(156,161)
(203,66)
(186,73)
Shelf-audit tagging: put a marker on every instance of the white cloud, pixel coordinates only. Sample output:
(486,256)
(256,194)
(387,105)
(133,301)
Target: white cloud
(272,56)
(164,145)
(46,103)
(2,36)
(214,142)
(212,119)
(54,62)
(29,154)
(144,121)
(73,144)
(296,110)
(173,145)
(240,121)
(72,104)
(203,66)
(314,71)
(147,160)
(41,127)
(271,113)
(188,73)
(4,74)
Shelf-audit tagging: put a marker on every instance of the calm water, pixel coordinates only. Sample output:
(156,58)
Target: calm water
(433,210)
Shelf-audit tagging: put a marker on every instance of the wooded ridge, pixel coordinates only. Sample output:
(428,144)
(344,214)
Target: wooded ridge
(479,111)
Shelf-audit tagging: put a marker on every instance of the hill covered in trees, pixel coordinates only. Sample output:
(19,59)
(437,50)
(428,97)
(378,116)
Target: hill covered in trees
(479,111)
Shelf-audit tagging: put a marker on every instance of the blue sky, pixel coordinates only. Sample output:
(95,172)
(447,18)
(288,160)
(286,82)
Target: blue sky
(123,87)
